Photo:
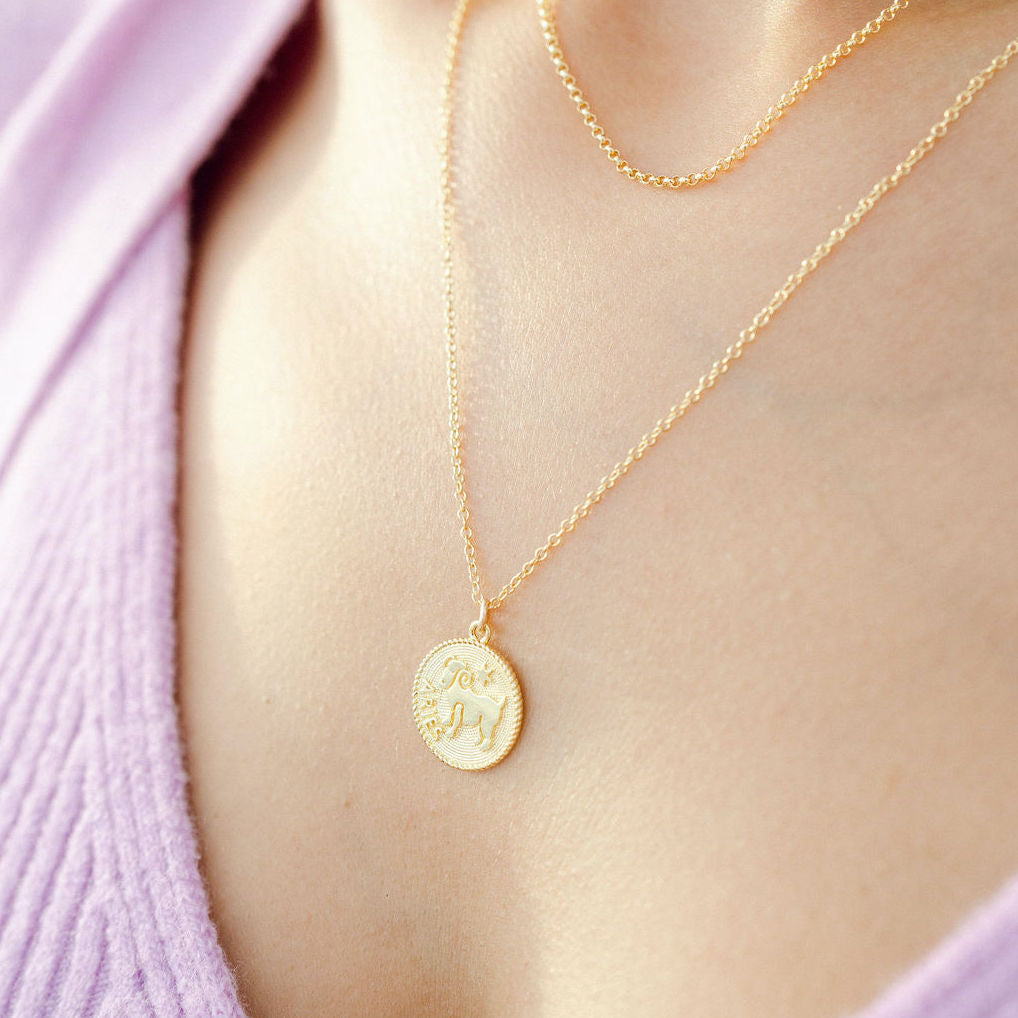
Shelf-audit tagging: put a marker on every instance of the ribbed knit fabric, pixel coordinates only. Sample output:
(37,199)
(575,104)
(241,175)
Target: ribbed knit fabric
(110,105)
(107,106)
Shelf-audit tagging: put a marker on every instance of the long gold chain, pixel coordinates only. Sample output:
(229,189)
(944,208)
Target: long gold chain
(707,381)
(549,26)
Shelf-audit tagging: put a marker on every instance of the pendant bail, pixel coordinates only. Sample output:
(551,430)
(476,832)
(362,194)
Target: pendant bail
(479,628)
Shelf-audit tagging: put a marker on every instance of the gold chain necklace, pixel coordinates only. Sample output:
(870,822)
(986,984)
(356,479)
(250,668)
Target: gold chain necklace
(549,26)
(466,699)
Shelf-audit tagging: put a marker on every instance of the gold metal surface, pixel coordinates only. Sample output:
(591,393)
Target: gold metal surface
(467,704)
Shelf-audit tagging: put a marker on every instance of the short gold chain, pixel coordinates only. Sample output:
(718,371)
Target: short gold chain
(719,368)
(549,26)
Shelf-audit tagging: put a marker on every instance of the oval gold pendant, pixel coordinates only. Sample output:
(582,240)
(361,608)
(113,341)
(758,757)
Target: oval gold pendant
(467,704)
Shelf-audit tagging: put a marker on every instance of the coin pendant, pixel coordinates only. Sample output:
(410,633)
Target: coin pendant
(467,704)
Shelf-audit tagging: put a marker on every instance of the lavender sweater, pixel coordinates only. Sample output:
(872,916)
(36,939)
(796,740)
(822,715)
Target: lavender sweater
(106,107)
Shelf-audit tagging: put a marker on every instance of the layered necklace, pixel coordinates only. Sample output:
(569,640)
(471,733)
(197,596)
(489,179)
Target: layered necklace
(466,698)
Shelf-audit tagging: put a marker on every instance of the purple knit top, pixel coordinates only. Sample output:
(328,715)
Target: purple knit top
(106,108)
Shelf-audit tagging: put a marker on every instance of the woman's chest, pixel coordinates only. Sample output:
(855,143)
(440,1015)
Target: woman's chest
(769,683)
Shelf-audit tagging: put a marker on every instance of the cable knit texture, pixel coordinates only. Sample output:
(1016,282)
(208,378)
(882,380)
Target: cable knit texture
(106,107)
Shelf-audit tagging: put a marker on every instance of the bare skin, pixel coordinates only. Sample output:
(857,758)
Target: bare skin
(768,761)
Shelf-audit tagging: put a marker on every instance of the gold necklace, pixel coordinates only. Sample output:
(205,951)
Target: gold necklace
(466,699)
(549,26)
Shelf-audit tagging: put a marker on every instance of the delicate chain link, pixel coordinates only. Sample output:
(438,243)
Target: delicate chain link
(717,369)
(445,151)
(549,26)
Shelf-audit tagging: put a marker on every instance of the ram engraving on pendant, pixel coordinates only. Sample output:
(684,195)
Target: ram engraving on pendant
(464,707)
